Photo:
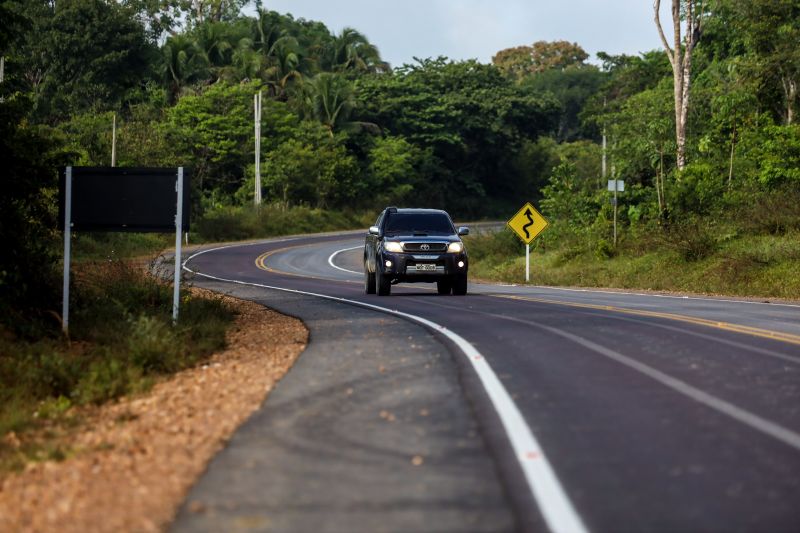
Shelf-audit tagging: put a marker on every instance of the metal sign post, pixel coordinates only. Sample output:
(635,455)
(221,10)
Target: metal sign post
(176,294)
(615,186)
(67,248)
(527,263)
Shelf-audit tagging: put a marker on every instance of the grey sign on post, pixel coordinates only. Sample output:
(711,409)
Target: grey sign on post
(124,199)
(616,185)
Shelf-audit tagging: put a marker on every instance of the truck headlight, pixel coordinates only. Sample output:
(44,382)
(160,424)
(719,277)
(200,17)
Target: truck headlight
(392,246)
(455,248)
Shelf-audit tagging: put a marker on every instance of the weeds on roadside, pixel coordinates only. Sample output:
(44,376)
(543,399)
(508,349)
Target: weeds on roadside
(121,339)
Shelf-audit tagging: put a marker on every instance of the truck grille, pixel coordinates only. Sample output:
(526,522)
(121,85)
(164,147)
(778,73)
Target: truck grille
(424,246)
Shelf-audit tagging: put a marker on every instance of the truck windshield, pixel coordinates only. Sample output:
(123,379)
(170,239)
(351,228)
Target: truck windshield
(419,223)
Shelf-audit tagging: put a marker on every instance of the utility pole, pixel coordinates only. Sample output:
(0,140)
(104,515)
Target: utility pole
(114,141)
(604,145)
(257,114)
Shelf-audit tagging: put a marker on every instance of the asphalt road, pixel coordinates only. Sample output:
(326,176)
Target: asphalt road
(603,411)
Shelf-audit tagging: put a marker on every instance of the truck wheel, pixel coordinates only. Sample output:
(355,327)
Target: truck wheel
(384,284)
(460,285)
(444,286)
(369,280)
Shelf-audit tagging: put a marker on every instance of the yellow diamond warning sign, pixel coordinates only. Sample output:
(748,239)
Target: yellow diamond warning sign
(527,223)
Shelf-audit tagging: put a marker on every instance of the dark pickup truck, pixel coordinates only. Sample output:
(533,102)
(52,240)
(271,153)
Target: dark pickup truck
(415,245)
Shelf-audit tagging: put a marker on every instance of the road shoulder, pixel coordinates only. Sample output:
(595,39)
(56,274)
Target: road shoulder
(370,431)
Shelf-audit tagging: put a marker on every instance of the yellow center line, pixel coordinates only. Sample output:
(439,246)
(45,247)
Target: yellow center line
(261,263)
(727,326)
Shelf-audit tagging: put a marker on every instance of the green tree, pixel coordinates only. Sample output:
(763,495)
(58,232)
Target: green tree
(642,139)
(393,165)
(90,54)
(29,158)
(572,87)
(213,131)
(312,168)
(770,31)
(467,118)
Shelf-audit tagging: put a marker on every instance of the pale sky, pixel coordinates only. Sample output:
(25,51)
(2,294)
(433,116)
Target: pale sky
(465,29)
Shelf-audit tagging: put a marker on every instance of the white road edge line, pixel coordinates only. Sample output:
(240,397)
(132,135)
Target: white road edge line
(549,494)
(337,252)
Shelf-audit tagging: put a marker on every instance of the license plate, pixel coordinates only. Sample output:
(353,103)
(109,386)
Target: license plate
(426,268)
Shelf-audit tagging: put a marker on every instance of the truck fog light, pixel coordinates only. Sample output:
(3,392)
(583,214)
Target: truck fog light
(461,264)
(388,264)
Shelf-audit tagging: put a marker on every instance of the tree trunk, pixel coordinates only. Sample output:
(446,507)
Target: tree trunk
(790,93)
(680,57)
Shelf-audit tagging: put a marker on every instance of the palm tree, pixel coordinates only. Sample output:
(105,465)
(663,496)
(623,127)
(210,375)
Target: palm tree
(285,61)
(184,63)
(246,63)
(350,50)
(284,66)
(329,98)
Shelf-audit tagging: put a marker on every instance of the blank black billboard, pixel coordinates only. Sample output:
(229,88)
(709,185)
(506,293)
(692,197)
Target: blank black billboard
(124,199)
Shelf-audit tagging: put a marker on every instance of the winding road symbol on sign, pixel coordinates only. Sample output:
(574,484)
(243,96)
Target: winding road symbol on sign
(528,223)
(525,227)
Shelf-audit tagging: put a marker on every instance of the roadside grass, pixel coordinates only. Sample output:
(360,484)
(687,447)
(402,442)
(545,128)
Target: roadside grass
(121,341)
(765,266)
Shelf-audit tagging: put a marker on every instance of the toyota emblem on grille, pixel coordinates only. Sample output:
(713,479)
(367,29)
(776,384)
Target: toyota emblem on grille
(425,247)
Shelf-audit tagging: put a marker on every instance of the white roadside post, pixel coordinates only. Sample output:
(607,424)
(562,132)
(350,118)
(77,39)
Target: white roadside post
(67,248)
(527,263)
(257,170)
(176,294)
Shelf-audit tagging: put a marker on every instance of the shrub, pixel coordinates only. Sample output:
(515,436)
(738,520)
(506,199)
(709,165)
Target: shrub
(230,223)
(693,238)
(779,158)
(153,346)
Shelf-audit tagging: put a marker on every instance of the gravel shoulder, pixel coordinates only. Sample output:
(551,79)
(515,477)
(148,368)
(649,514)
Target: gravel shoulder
(132,462)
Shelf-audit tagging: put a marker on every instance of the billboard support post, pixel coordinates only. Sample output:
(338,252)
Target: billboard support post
(67,248)
(176,294)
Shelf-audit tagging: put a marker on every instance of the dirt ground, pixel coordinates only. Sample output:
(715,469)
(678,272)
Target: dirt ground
(132,462)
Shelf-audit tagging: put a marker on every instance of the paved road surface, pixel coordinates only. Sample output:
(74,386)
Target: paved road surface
(636,412)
